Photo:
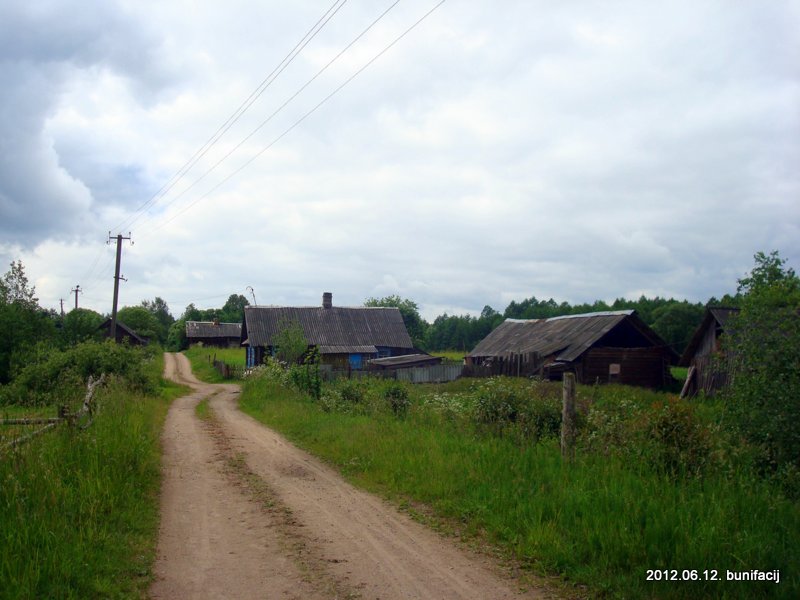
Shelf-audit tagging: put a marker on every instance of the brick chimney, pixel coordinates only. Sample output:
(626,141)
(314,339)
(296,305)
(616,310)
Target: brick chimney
(327,300)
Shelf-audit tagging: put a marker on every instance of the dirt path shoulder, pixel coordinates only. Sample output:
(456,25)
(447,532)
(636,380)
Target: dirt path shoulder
(299,530)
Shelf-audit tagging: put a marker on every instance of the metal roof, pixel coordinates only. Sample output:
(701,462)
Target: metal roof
(326,327)
(405,360)
(209,329)
(566,338)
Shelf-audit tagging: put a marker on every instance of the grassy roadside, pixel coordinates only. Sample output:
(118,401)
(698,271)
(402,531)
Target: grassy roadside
(79,509)
(202,358)
(601,522)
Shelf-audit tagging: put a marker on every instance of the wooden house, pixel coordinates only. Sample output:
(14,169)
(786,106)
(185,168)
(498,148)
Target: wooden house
(346,337)
(123,333)
(214,333)
(708,370)
(603,346)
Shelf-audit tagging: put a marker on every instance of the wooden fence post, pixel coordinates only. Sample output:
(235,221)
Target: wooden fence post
(568,432)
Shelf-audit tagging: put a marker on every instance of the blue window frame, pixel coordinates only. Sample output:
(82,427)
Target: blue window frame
(355,361)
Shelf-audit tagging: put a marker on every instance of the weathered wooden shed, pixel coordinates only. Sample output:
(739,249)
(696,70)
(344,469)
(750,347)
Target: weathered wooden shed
(214,333)
(123,333)
(708,369)
(346,337)
(612,346)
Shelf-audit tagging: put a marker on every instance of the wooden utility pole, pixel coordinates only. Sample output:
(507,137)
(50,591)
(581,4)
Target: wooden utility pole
(568,431)
(113,330)
(76,291)
(62,306)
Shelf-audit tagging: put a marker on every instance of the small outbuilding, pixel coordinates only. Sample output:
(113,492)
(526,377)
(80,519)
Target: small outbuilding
(214,333)
(123,333)
(345,337)
(708,371)
(407,361)
(615,346)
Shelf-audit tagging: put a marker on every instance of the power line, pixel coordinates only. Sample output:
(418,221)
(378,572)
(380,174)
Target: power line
(300,120)
(281,107)
(243,107)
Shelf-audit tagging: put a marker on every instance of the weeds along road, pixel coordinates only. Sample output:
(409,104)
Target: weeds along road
(245,514)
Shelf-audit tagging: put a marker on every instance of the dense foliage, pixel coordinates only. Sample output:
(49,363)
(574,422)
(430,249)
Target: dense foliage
(764,398)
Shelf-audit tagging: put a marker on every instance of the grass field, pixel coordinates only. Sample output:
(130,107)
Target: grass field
(451,356)
(601,522)
(79,509)
(202,358)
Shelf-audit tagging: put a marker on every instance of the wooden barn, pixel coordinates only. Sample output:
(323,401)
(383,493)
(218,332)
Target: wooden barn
(703,356)
(346,337)
(123,333)
(214,333)
(604,346)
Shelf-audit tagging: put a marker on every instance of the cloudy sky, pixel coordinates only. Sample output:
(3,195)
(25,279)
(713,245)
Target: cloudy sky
(574,150)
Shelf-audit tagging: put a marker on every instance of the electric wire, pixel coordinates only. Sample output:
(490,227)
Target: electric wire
(237,114)
(282,106)
(297,122)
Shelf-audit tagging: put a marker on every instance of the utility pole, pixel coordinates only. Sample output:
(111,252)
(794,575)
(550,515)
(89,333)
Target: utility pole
(113,330)
(253,293)
(76,291)
(62,306)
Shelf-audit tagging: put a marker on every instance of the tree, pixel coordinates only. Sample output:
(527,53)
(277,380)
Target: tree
(415,324)
(233,309)
(80,325)
(764,397)
(675,322)
(143,322)
(159,309)
(290,343)
(22,321)
(176,336)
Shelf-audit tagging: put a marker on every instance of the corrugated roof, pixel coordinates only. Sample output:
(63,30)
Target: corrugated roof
(566,337)
(209,329)
(336,326)
(404,360)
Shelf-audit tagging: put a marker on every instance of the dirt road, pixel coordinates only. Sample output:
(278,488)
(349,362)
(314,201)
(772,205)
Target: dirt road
(245,514)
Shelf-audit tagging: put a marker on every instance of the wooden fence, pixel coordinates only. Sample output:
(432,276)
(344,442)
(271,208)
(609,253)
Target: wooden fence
(228,371)
(81,418)
(525,364)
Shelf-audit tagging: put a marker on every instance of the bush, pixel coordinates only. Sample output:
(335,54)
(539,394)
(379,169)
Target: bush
(396,395)
(51,376)
(533,407)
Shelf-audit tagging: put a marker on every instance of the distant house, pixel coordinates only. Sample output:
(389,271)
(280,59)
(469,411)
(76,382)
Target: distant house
(703,356)
(123,333)
(603,346)
(346,337)
(214,333)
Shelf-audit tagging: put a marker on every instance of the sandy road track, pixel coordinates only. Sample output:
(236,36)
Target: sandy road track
(322,538)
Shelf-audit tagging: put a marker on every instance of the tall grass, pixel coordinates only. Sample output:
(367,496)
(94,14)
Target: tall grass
(602,521)
(201,358)
(79,508)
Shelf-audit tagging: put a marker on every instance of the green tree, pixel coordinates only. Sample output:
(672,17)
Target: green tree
(143,322)
(23,323)
(290,343)
(80,325)
(676,321)
(233,309)
(176,336)
(159,309)
(764,398)
(415,324)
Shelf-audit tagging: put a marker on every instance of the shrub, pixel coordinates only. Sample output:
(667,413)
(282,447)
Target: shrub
(396,395)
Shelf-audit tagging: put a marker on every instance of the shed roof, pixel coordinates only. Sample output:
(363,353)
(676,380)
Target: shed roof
(405,360)
(210,329)
(343,327)
(566,338)
(124,331)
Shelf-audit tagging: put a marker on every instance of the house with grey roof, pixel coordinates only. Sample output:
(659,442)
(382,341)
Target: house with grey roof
(614,346)
(345,337)
(214,333)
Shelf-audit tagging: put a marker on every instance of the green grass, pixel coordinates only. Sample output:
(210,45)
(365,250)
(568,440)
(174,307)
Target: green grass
(202,358)
(79,509)
(600,522)
(451,356)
